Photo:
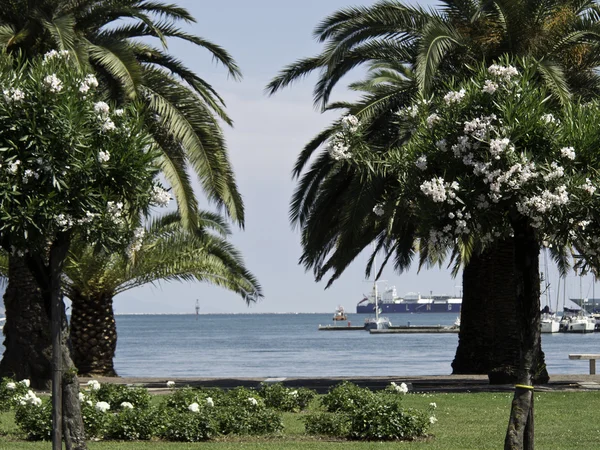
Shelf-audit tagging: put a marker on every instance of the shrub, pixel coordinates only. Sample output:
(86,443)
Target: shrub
(242,420)
(281,398)
(35,421)
(346,397)
(94,419)
(329,424)
(242,397)
(182,398)
(10,391)
(188,426)
(115,394)
(133,424)
(383,418)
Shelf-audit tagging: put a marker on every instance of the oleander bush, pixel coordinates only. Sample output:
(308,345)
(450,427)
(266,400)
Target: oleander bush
(117,394)
(253,421)
(188,426)
(133,424)
(282,398)
(360,414)
(35,421)
(10,391)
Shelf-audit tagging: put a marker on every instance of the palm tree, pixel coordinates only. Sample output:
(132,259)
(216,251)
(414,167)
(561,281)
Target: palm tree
(168,252)
(561,35)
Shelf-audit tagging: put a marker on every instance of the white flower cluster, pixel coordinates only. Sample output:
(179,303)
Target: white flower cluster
(378,210)
(505,73)
(126,405)
(64,221)
(170,384)
(536,205)
(409,111)
(489,87)
(103,156)
(497,146)
(81,396)
(556,172)
(29,399)
(442,145)
(401,388)
(89,82)
(210,402)
(102,109)
(136,242)
(480,127)
(588,187)
(13,167)
(252,401)
(11,386)
(53,54)
(102,406)
(454,96)
(53,83)
(549,118)
(568,152)
(28,174)
(439,190)
(13,95)
(160,196)
(432,119)
(421,162)
(338,149)
(350,123)
(194,407)
(115,211)
(94,385)
(432,420)
(440,239)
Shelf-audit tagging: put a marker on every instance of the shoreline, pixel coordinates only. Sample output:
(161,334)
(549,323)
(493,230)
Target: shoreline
(425,383)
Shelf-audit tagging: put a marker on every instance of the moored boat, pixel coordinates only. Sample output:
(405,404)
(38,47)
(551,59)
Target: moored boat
(340,314)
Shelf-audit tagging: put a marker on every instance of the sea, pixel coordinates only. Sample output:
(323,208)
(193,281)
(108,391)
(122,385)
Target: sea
(291,345)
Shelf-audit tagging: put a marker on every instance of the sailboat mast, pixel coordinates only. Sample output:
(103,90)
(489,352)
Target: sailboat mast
(375,287)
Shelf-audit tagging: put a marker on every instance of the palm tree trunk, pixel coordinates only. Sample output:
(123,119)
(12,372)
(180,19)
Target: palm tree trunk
(93,334)
(489,342)
(520,432)
(27,342)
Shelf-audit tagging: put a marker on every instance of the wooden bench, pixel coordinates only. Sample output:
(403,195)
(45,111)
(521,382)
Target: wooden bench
(591,356)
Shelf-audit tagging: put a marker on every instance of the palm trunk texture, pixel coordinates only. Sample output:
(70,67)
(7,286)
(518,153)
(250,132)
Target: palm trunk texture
(489,341)
(93,334)
(520,431)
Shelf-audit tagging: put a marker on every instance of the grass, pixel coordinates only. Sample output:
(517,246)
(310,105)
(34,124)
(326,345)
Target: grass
(563,420)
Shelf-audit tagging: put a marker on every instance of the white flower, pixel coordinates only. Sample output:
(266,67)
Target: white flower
(568,152)
(252,401)
(432,120)
(378,210)
(454,96)
(13,167)
(52,54)
(294,393)
(337,147)
(81,396)
(25,382)
(548,118)
(11,386)
(102,406)
(53,83)
(89,402)
(160,196)
(402,388)
(30,399)
(103,156)
(350,123)
(13,95)
(101,108)
(126,405)
(489,87)
(435,188)
(94,385)
(497,146)
(433,405)
(36,401)
(107,125)
(506,73)
(119,112)
(136,243)
(421,162)
(194,407)
(432,420)
(170,384)
(210,402)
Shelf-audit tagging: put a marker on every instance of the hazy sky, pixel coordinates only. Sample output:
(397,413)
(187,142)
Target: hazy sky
(264,36)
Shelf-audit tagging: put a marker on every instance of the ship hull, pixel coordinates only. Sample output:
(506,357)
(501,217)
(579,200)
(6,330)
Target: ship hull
(399,308)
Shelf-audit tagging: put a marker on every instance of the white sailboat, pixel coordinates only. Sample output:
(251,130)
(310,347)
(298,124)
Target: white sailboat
(550,323)
(377,322)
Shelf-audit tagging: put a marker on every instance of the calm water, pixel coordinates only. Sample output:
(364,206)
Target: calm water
(290,345)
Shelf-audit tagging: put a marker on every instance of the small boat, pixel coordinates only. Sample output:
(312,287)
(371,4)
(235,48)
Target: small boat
(550,323)
(377,322)
(340,314)
(577,322)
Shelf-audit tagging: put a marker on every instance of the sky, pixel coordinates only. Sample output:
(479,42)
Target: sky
(263,36)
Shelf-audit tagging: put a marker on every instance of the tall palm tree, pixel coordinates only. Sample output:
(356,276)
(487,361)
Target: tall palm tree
(168,252)
(561,35)
(183,113)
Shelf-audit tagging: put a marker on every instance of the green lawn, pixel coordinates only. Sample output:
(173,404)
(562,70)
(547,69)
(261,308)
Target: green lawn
(563,420)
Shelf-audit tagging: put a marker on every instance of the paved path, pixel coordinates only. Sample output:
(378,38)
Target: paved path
(439,383)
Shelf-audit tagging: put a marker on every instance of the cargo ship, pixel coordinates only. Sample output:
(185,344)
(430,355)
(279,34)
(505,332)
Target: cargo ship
(389,303)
